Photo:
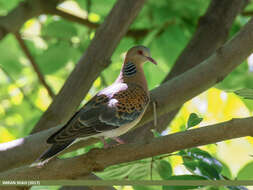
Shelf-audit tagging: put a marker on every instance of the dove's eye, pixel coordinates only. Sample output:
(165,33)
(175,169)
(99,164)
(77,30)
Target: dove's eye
(140,52)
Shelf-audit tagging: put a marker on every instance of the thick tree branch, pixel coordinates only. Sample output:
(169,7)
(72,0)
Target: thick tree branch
(178,89)
(34,65)
(95,59)
(99,159)
(211,33)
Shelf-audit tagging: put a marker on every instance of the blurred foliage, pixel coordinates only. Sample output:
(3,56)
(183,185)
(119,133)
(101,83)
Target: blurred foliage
(57,45)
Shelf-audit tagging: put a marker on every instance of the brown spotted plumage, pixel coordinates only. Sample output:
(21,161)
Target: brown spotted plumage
(112,111)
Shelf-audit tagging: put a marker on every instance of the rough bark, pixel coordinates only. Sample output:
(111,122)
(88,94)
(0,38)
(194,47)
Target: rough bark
(99,159)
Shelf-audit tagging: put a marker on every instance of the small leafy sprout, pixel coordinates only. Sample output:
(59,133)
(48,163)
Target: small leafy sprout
(193,120)
(155,133)
(246,93)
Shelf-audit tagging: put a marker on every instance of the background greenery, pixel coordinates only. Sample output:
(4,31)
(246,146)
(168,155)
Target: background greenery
(56,46)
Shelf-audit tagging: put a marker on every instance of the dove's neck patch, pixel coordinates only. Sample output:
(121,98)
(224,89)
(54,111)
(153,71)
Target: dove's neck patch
(129,69)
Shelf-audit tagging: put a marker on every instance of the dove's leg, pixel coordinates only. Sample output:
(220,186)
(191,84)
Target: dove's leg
(120,141)
(104,142)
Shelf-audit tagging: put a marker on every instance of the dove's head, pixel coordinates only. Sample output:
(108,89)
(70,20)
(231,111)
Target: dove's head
(139,55)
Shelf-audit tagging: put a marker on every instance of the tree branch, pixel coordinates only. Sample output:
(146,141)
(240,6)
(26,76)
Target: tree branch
(178,89)
(99,159)
(26,10)
(135,33)
(13,21)
(34,65)
(247,13)
(94,60)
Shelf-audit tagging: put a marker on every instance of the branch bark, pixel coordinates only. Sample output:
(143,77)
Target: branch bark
(99,159)
(94,60)
(178,89)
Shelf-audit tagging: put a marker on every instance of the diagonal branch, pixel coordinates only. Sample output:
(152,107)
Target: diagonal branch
(178,89)
(98,159)
(213,27)
(94,60)
(34,65)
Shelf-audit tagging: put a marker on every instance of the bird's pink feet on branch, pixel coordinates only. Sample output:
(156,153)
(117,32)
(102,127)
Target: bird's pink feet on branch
(118,140)
(106,145)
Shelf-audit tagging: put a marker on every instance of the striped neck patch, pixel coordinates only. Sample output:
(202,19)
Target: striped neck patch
(129,69)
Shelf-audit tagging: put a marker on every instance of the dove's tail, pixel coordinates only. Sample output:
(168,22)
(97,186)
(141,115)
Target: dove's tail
(53,151)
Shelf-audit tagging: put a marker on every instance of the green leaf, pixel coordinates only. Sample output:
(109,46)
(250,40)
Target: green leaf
(155,133)
(184,177)
(140,170)
(226,171)
(205,157)
(164,168)
(55,57)
(193,120)
(201,168)
(10,54)
(59,29)
(201,163)
(246,173)
(245,93)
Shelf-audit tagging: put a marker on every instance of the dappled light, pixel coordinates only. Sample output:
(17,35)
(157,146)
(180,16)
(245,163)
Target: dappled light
(57,55)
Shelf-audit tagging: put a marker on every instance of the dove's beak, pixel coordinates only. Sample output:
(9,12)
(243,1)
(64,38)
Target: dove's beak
(151,60)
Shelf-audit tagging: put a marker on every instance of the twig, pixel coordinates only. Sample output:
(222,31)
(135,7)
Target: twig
(247,13)
(151,168)
(34,65)
(88,5)
(155,114)
(136,33)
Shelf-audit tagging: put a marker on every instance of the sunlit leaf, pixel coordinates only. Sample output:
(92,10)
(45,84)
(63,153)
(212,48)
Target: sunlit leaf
(5,135)
(93,17)
(201,163)
(193,120)
(164,168)
(246,173)
(155,133)
(245,93)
